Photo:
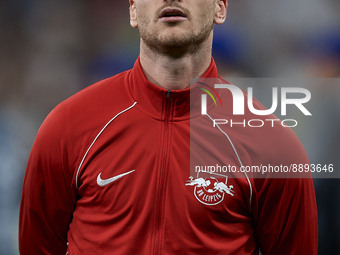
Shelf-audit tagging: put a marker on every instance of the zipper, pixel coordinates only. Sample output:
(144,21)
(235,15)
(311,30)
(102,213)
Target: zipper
(162,177)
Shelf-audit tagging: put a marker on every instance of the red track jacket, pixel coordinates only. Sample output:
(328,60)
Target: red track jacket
(110,173)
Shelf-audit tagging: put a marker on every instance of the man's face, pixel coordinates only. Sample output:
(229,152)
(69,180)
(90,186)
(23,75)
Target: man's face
(174,23)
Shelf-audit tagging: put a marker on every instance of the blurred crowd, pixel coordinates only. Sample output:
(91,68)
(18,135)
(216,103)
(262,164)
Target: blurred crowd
(51,49)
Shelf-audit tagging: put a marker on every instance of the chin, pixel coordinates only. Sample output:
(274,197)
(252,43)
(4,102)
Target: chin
(177,39)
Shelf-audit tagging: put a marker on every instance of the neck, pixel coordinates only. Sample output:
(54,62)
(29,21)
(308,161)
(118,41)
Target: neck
(172,69)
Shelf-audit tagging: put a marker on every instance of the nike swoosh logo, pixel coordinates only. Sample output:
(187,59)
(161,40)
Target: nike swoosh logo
(102,182)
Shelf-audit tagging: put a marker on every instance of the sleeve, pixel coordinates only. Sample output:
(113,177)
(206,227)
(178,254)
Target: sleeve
(286,220)
(48,194)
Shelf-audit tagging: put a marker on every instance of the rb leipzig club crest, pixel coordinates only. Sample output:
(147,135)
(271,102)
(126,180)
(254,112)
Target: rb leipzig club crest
(210,190)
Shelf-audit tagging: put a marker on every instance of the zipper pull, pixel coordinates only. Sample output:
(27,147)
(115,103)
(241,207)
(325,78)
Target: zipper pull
(168,93)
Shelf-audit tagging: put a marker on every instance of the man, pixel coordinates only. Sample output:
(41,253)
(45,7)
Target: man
(109,170)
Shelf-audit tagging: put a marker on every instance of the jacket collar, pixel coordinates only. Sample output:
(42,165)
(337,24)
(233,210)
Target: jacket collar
(156,101)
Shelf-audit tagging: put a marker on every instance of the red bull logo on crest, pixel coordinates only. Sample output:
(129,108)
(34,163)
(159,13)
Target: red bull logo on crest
(210,191)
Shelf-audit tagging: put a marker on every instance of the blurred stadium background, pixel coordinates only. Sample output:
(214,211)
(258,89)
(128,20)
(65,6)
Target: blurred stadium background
(51,49)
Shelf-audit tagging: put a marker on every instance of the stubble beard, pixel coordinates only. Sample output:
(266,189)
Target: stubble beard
(174,44)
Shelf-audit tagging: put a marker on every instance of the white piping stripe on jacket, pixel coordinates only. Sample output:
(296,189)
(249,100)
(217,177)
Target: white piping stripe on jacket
(232,145)
(95,139)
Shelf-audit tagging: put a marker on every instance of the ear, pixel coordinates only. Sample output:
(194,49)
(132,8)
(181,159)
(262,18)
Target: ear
(221,11)
(133,14)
